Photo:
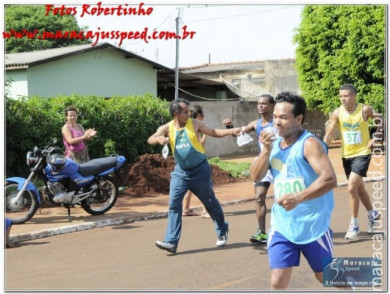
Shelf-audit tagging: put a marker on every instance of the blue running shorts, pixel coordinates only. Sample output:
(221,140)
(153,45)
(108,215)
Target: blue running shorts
(284,254)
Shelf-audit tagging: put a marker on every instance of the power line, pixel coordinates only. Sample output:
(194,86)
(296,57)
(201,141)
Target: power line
(200,97)
(209,99)
(237,15)
(163,22)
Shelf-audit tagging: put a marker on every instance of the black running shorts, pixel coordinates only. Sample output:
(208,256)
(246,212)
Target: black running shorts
(358,165)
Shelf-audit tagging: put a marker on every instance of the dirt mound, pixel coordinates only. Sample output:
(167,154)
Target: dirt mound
(151,174)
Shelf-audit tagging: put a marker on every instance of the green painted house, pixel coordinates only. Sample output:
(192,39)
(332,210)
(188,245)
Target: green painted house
(103,70)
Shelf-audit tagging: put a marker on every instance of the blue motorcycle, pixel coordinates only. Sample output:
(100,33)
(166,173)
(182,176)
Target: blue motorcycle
(93,185)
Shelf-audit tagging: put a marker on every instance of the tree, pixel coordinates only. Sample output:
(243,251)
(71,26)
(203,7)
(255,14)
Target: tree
(340,44)
(29,18)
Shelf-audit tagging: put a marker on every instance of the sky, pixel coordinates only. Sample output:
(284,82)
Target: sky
(222,32)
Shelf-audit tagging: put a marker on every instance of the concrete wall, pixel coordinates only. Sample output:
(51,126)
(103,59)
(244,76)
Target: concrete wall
(242,113)
(280,75)
(275,76)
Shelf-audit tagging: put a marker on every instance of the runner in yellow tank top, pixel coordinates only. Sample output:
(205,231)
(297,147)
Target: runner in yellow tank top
(189,173)
(354,132)
(351,118)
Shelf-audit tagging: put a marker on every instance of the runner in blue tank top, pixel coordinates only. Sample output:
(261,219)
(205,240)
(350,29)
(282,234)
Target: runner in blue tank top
(192,171)
(265,107)
(303,183)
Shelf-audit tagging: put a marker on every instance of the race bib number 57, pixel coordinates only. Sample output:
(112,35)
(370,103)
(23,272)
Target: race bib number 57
(288,186)
(352,137)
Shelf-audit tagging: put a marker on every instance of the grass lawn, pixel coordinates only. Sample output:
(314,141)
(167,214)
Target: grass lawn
(237,169)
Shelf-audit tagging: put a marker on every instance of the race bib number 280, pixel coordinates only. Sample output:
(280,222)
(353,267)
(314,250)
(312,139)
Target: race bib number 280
(288,186)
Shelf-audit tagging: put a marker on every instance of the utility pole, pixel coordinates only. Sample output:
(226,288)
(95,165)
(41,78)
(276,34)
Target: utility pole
(177,57)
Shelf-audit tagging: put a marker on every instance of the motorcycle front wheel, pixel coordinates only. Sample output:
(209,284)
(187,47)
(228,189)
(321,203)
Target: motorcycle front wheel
(103,200)
(23,210)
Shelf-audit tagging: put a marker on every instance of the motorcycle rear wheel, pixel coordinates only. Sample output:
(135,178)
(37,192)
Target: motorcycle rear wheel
(20,212)
(103,200)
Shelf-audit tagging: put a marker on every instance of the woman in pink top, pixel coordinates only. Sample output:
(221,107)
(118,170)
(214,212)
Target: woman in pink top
(74,137)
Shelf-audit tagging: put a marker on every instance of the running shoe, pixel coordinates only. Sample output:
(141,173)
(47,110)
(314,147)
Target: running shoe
(372,218)
(166,246)
(352,232)
(222,240)
(259,237)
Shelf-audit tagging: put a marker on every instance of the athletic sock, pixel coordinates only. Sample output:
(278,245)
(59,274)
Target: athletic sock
(354,221)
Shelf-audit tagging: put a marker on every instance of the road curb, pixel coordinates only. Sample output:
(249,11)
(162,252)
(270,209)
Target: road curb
(128,219)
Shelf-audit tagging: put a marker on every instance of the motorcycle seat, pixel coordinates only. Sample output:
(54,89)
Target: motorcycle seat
(96,166)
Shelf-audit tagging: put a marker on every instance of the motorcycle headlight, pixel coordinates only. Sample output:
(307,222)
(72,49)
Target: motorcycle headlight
(30,159)
(56,161)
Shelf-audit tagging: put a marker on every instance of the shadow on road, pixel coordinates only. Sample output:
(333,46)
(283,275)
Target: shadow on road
(126,227)
(338,238)
(243,212)
(229,246)
(23,244)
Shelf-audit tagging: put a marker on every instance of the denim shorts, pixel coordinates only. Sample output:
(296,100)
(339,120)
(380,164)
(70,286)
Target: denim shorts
(285,254)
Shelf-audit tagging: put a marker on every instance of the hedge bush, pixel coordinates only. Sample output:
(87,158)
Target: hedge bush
(123,124)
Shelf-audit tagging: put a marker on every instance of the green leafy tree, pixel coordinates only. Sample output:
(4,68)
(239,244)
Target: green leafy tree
(123,123)
(32,19)
(340,44)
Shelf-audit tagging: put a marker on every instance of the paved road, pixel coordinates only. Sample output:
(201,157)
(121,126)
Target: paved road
(53,221)
(123,256)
